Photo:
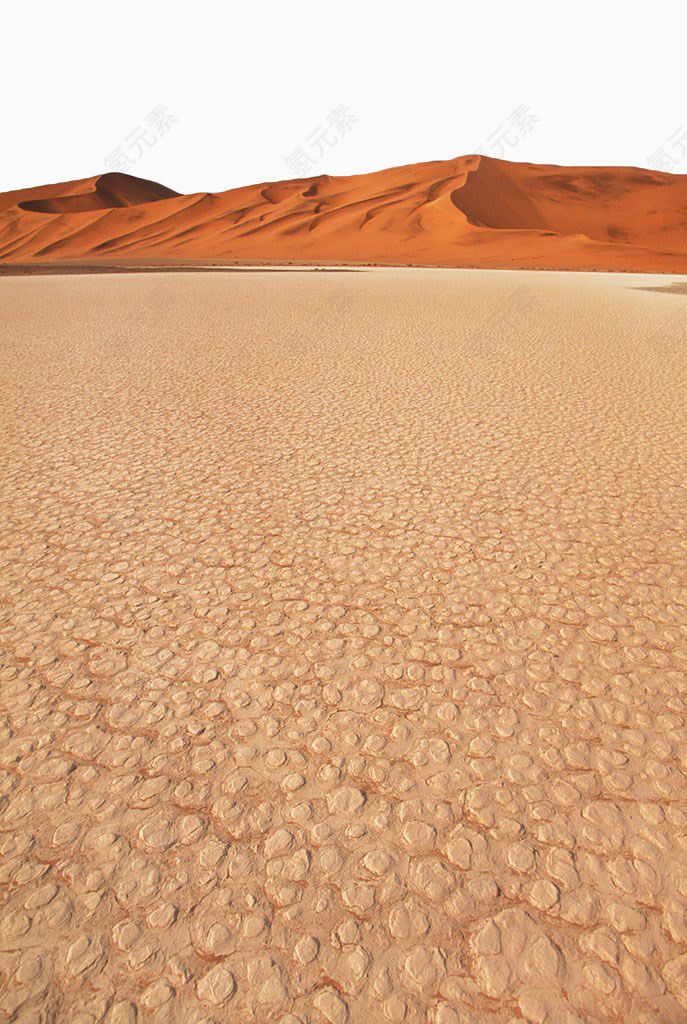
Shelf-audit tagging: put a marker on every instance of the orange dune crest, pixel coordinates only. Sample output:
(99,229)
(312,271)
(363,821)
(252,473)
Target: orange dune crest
(473,211)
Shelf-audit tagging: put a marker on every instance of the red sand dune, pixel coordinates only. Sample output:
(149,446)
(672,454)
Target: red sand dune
(473,211)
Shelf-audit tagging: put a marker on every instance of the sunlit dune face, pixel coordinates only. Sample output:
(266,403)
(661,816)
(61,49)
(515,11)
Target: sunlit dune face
(471,211)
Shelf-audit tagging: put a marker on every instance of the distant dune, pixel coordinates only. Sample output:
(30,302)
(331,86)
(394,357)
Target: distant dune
(473,211)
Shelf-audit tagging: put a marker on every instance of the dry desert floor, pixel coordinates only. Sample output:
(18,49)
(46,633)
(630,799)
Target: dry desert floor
(343,620)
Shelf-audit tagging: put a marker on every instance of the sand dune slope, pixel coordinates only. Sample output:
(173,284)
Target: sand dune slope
(470,211)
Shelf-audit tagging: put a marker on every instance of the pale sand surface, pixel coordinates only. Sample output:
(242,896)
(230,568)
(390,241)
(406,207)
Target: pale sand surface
(344,671)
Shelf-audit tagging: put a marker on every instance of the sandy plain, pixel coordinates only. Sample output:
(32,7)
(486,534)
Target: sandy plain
(344,648)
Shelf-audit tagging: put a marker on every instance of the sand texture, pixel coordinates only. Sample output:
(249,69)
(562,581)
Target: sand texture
(472,211)
(343,621)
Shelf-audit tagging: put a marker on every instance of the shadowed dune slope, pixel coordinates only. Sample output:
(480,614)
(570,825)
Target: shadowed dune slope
(470,211)
(104,192)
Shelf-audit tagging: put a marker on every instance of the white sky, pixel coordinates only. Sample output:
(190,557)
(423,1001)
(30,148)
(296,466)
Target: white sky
(599,82)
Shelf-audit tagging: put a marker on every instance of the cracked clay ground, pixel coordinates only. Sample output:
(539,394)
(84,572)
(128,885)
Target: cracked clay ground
(344,656)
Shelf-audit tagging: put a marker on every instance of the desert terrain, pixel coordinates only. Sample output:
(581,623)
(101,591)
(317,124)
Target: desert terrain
(343,629)
(471,211)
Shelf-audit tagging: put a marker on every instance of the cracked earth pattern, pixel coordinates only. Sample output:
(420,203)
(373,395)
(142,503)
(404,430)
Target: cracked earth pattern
(344,649)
